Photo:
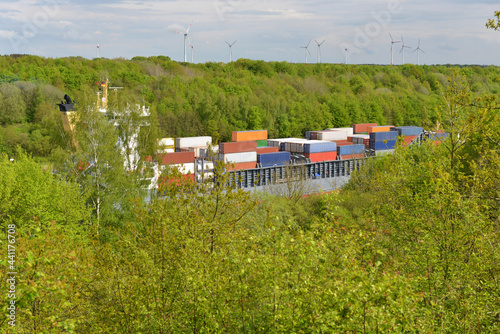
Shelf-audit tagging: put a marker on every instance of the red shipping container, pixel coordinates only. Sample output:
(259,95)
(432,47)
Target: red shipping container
(343,143)
(249,135)
(267,149)
(408,140)
(323,156)
(313,135)
(177,181)
(350,156)
(366,142)
(237,147)
(243,165)
(176,158)
(361,128)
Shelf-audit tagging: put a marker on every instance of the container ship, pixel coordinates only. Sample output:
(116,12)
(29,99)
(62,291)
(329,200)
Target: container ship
(254,160)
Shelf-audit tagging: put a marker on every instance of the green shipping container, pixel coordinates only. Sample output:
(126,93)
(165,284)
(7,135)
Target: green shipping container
(262,143)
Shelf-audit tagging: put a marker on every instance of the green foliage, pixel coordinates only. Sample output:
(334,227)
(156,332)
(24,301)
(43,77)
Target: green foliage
(31,197)
(491,24)
(215,99)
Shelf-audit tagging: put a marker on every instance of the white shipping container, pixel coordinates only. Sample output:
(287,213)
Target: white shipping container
(238,157)
(359,139)
(166,150)
(277,142)
(187,168)
(186,142)
(206,153)
(291,144)
(166,142)
(207,166)
(332,135)
(349,131)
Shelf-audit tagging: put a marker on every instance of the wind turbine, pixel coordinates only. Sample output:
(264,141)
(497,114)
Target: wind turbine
(403,47)
(306,49)
(319,50)
(346,51)
(185,38)
(192,49)
(392,44)
(417,50)
(98,51)
(230,50)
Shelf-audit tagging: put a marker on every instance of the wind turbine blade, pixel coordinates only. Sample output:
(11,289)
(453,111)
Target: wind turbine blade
(227,43)
(308,51)
(316,42)
(308,43)
(392,39)
(422,50)
(322,42)
(188,28)
(234,42)
(402,40)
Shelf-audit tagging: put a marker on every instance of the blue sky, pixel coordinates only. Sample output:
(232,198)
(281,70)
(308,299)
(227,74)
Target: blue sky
(451,32)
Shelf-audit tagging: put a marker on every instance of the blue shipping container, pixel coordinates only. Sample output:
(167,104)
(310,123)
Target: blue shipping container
(383,145)
(408,130)
(439,135)
(379,136)
(350,149)
(271,159)
(320,147)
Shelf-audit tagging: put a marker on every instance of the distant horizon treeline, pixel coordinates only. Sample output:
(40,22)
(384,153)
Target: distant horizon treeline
(215,98)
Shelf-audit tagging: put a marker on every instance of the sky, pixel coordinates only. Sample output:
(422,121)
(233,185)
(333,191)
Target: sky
(450,31)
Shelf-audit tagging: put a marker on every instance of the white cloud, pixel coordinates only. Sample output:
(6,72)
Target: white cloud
(8,34)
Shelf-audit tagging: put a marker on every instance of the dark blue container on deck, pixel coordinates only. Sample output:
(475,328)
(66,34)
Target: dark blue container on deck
(273,159)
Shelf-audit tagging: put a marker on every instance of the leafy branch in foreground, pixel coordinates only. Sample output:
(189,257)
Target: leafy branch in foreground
(491,24)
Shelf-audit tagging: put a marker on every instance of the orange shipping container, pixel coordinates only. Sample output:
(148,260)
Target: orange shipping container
(383,128)
(249,135)
(243,165)
(267,149)
(350,156)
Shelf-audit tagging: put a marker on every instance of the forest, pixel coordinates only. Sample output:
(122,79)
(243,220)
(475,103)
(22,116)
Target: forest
(410,245)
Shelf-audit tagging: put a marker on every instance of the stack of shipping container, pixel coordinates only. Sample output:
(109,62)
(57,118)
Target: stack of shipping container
(243,154)
(195,144)
(250,149)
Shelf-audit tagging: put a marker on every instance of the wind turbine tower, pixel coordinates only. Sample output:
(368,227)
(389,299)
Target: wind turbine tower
(403,47)
(98,51)
(185,39)
(392,45)
(306,49)
(417,50)
(319,50)
(230,50)
(192,50)
(346,51)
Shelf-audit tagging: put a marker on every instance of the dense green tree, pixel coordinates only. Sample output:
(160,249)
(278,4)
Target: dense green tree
(31,197)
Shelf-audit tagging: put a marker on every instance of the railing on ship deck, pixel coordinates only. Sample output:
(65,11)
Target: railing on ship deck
(308,171)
